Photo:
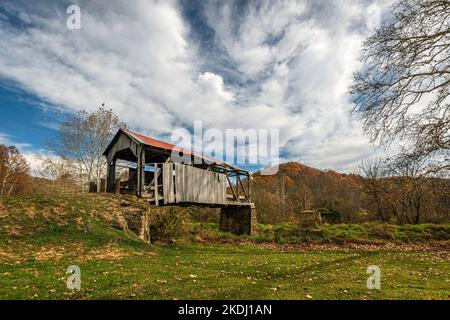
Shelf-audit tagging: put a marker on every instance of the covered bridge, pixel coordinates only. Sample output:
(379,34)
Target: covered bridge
(201,181)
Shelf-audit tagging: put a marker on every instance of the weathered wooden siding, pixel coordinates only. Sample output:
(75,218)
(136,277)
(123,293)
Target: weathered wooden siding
(168,183)
(124,142)
(192,184)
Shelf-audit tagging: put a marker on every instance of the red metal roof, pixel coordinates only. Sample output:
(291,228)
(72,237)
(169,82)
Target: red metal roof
(168,146)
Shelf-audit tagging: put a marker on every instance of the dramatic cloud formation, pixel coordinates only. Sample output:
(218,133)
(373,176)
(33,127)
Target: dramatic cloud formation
(162,65)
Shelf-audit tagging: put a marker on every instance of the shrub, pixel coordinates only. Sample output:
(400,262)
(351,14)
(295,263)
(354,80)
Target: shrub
(370,232)
(380,230)
(424,232)
(169,223)
(344,233)
(285,232)
(265,232)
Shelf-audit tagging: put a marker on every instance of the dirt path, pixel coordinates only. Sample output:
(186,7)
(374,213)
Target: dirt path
(441,248)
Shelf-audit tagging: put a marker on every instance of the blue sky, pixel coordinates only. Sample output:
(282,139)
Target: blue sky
(25,118)
(161,65)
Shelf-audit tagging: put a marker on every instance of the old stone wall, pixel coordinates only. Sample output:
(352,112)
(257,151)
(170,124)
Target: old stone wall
(140,217)
(134,217)
(309,218)
(238,219)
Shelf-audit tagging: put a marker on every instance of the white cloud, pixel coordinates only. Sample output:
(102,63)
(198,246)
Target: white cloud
(33,157)
(304,74)
(141,60)
(34,160)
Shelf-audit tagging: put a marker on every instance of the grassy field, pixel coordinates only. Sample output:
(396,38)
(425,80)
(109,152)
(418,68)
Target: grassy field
(41,236)
(364,233)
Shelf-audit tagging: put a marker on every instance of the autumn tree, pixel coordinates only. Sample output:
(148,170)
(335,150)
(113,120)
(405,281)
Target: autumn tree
(373,170)
(411,187)
(61,173)
(402,190)
(82,140)
(299,198)
(437,205)
(14,171)
(387,190)
(402,91)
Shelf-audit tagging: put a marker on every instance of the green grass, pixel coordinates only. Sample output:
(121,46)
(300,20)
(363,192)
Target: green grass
(229,271)
(41,236)
(369,233)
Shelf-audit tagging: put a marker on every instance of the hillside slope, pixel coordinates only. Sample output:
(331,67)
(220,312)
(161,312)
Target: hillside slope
(297,187)
(79,225)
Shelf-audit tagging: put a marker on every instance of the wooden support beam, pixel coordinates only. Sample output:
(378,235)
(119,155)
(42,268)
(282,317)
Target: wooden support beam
(140,171)
(232,188)
(151,185)
(237,185)
(248,186)
(243,189)
(111,175)
(156,185)
(158,198)
(117,186)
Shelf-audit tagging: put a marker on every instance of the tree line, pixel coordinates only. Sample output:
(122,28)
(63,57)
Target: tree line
(378,190)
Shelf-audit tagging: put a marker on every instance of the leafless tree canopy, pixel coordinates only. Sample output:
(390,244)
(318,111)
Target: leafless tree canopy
(402,92)
(59,175)
(82,140)
(401,190)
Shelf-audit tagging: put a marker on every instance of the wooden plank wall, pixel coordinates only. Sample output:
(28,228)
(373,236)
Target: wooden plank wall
(193,185)
(168,183)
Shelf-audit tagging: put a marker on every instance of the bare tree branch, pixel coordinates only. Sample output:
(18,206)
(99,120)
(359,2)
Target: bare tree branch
(402,92)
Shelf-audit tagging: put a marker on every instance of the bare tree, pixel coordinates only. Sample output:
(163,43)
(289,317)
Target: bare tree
(53,168)
(373,171)
(60,173)
(402,92)
(83,138)
(410,187)
(14,170)
(403,190)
